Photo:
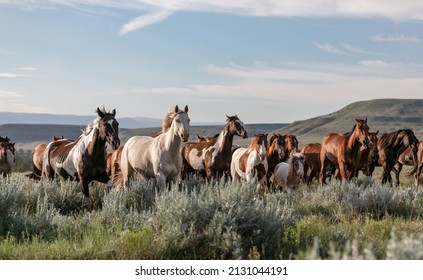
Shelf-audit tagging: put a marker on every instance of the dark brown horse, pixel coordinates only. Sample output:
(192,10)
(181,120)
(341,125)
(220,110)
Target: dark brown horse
(406,158)
(275,153)
(343,151)
(7,156)
(391,146)
(214,157)
(84,159)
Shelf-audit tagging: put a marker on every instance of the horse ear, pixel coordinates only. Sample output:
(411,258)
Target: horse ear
(114,112)
(176,109)
(100,113)
(186,108)
(365,120)
(377,131)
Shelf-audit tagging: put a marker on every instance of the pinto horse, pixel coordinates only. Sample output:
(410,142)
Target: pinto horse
(391,146)
(288,174)
(343,151)
(249,162)
(37,159)
(213,157)
(84,159)
(159,157)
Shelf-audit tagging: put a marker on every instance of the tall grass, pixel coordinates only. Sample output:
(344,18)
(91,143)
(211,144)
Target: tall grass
(209,220)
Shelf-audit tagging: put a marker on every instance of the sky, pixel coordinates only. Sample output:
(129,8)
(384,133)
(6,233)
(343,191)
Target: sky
(265,61)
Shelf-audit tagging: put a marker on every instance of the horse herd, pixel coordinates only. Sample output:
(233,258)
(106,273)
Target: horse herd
(169,157)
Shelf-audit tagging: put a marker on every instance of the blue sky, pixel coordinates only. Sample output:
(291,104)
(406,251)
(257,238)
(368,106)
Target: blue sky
(266,61)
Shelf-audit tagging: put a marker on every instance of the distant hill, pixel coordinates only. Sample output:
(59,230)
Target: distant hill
(387,115)
(30,118)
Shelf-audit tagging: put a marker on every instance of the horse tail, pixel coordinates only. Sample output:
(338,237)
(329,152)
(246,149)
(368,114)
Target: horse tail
(126,170)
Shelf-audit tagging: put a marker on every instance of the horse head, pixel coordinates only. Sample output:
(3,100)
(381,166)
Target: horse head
(297,160)
(236,126)
(110,127)
(277,145)
(259,143)
(3,148)
(291,143)
(374,151)
(181,123)
(361,132)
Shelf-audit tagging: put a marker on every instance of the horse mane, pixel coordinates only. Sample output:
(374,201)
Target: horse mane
(167,120)
(96,124)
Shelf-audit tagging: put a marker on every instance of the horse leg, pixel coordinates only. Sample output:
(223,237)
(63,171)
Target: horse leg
(161,181)
(397,170)
(418,172)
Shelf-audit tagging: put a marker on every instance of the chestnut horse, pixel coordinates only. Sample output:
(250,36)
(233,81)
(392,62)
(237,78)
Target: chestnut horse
(213,157)
(249,162)
(113,163)
(369,155)
(291,145)
(84,159)
(156,157)
(37,159)
(391,146)
(311,153)
(343,151)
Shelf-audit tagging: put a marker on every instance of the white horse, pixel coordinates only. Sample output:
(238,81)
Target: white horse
(287,175)
(156,157)
(249,162)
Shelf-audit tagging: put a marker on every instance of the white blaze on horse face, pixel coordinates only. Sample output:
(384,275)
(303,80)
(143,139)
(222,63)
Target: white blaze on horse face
(262,150)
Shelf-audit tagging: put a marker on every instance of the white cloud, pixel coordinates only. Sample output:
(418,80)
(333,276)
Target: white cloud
(329,48)
(396,38)
(360,51)
(145,20)
(389,9)
(11,75)
(28,69)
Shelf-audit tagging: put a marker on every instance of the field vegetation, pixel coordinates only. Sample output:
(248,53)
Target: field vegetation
(210,220)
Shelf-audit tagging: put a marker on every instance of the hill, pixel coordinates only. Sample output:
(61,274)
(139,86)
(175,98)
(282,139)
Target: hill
(387,115)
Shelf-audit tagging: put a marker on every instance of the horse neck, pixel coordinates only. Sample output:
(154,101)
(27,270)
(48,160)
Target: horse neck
(94,145)
(225,140)
(353,143)
(172,141)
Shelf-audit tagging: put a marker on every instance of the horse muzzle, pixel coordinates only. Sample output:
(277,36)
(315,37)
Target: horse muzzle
(184,137)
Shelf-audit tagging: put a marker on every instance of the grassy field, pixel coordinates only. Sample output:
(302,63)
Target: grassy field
(211,220)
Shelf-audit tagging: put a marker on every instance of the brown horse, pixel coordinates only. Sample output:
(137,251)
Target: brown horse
(343,151)
(113,162)
(369,155)
(37,159)
(275,153)
(291,145)
(391,146)
(84,159)
(202,139)
(406,158)
(6,156)
(249,162)
(214,157)
(311,153)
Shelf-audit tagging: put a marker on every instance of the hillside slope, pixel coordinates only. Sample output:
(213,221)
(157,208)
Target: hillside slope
(387,115)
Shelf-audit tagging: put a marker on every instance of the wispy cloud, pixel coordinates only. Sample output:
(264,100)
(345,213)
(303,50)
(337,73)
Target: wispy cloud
(396,38)
(361,51)
(145,20)
(158,10)
(10,94)
(12,75)
(28,69)
(327,47)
